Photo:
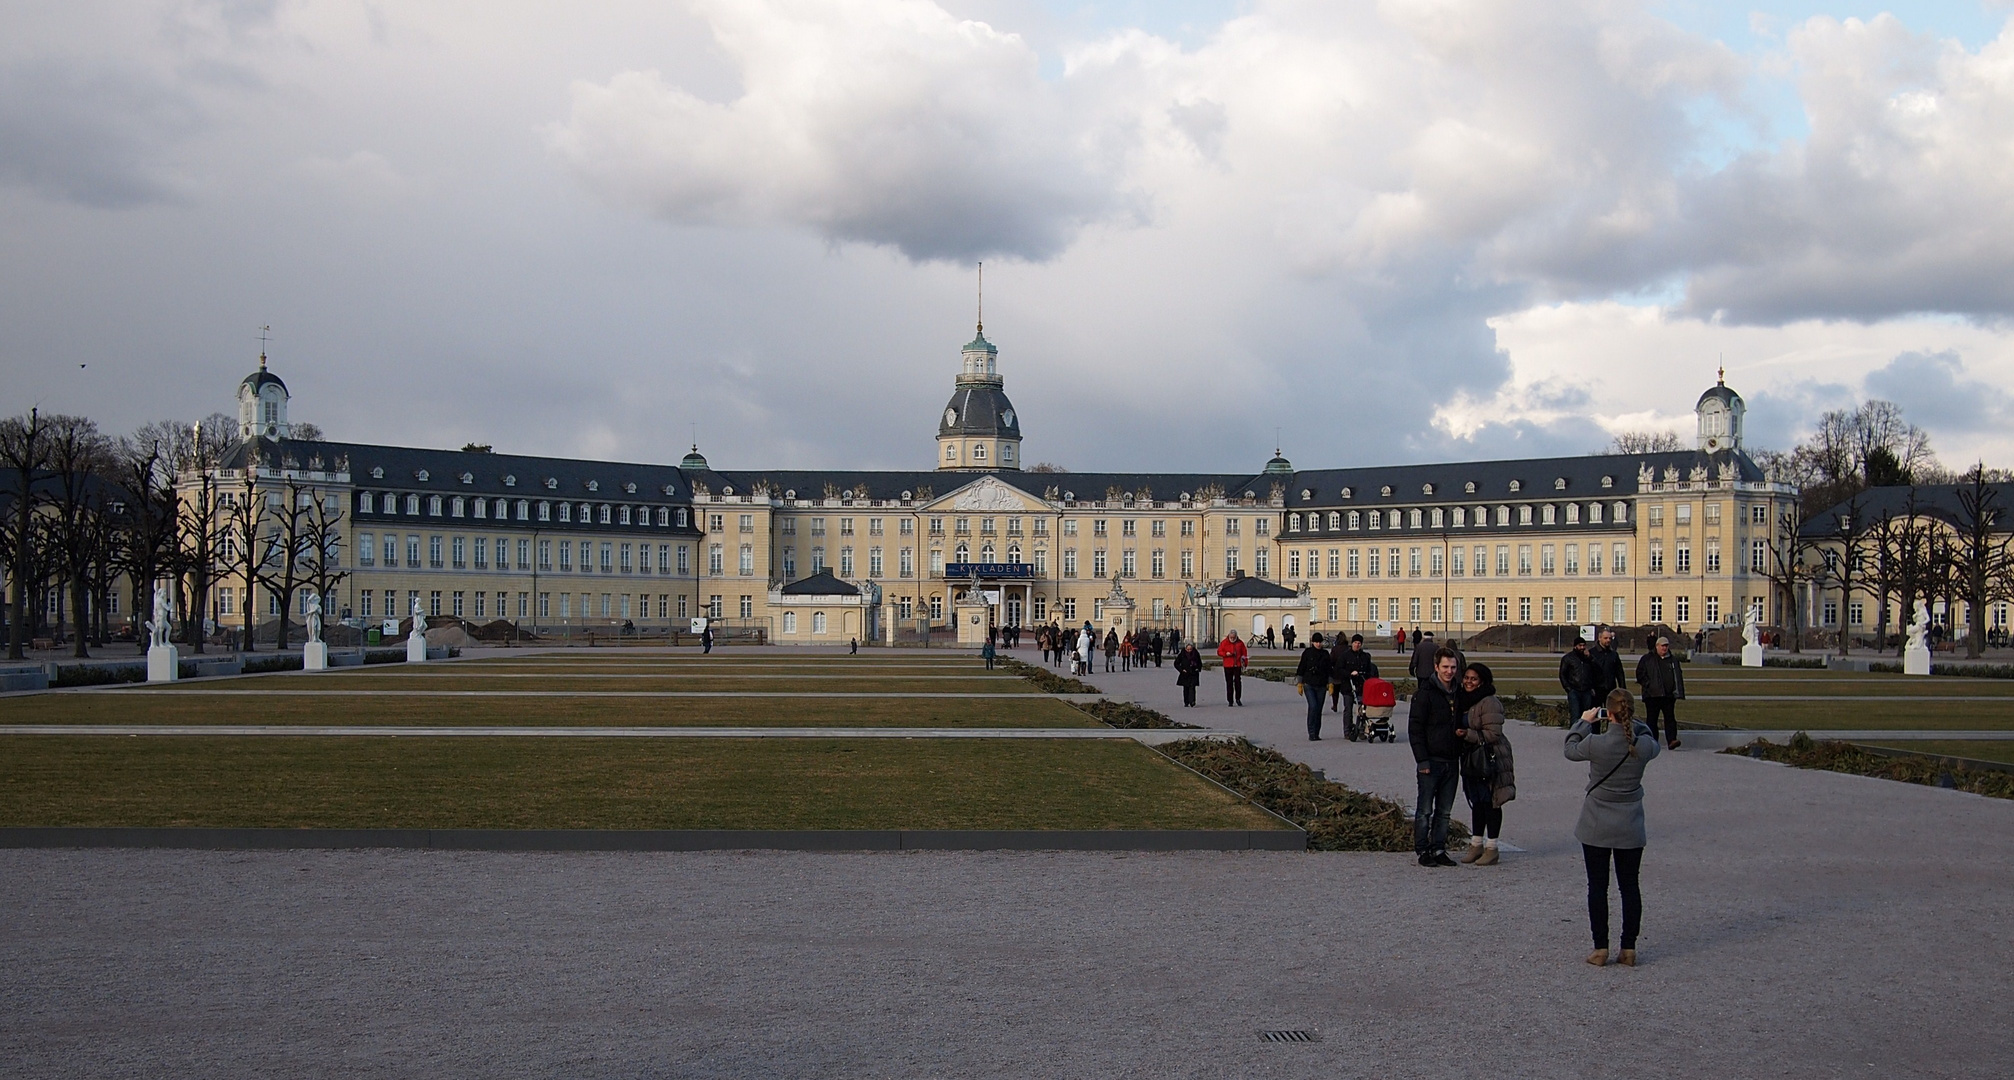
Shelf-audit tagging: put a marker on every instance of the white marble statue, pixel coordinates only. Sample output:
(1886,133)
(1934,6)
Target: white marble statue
(1919,628)
(314,617)
(1750,633)
(164,617)
(419,617)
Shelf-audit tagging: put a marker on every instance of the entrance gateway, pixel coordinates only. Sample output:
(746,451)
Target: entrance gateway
(1008,587)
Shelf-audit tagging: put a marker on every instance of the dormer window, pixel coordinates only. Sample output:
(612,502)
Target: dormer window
(1517,485)
(1306,494)
(1559,484)
(510,480)
(552,483)
(1608,481)
(630,488)
(377,472)
(726,489)
(1469,488)
(468,478)
(1426,489)
(1347,492)
(422,474)
(670,489)
(594,485)
(565,511)
(906,496)
(1386,491)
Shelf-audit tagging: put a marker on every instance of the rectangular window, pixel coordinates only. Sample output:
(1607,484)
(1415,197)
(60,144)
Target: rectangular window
(908,563)
(714,608)
(623,560)
(1573,609)
(1377,562)
(1656,556)
(1657,609)
(1503,609)
(1335,562)
(1436,564)
(434,602)
(1573,558)
(1353,609)
(1461,562)
(747,606)
(458,604)
(1069,562)
(483,553)
(1618,609)
(1546,561)
(1545,609)
(1332,609)
(1262,562)
(684,559)
(1355,562)
(1188,528)
(413,552)
(937,609)
(1856,613)
(434,552)
(1758,556)
(1230,562)
(482,608)
(874,560)
(1129,563)
(1712,555)
(1524,560)
(607,557)
(460,553)
(1158,562)
(1098,568)
(745,560)
(1376,606)
(716,559)
(1682,515)
(1413,562)
(367,550)
(1618,560)
(363,602)
(1683,608)
(1293,564)
(1681,557)
(1503,560)
(1413,608)
(1188,562)
(1524,609)
(1594,558)
(845,561)
(545,605)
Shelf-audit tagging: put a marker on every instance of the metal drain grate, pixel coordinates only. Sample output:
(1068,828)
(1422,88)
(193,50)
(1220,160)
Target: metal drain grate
(1290,1036)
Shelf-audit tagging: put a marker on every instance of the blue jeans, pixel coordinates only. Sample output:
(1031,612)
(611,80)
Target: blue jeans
(1436,803)
(1316,695)
(1578,702)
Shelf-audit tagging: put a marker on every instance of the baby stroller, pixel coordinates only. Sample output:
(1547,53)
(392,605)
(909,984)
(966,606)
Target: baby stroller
(1379,701)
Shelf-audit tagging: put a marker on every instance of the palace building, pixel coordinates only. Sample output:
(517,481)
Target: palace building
(563,546)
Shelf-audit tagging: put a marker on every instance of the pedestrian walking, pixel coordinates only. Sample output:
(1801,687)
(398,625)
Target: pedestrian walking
(1313,678)
(1662,684)
(1436,728)
(1611,833)
(1269,638)
(1232,652)
(1421,666)
(1339,677)
(1287,635)
(1355,667)
(1399,645)
(1577,677)
(1126,653)
(705,638)
(1188,673)
(987,653)
(1087,647)
(1487,777)
(1111,648)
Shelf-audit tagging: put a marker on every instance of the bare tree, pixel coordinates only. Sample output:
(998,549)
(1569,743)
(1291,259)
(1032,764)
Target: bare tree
(201,526)
(24,453)
(243,513)
(1906,560)
(302,431)
(1844,566)
(1982,562)
(79,458)
(1644,442)
(1786,569)
(322,545)
(282,566)
(144,469)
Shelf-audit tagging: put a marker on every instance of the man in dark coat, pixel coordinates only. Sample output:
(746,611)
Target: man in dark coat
(1662,684)
(1437,730)
(1576,677)
(1313,675)
(1607,666)
(1349,674)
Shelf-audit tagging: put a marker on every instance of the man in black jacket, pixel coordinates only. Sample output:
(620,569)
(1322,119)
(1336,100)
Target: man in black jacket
(1437,729)
(1607,666)
(1313,675)
(1662,683)
(1576,677)
(1348,676)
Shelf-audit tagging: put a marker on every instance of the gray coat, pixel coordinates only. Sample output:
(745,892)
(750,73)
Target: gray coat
(1611,813)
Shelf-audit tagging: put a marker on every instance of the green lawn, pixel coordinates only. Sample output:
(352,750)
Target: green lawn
(443,682)
(1981,751)
(191,706)
(521,783)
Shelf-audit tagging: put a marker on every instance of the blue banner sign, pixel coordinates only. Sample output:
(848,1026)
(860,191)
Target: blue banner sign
(988,570)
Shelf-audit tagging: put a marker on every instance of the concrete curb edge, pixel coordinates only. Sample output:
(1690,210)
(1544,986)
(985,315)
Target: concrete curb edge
(221,839)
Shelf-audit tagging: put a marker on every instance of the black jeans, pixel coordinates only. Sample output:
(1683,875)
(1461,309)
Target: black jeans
(1234,686)
(1483,810)
(1436,803)
(1188,694)
(1652,706)
(1627,862)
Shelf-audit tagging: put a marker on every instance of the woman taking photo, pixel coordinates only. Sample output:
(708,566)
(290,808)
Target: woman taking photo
(1617,749)
(1487,778)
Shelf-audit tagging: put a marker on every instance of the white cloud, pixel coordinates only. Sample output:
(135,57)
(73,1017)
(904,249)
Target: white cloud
(883,121)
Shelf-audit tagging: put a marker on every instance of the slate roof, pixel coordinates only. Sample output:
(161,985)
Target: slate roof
(979,410)
(513,475)
(823,583)
(1537,479)
(1251,588)
(888,486)
(1941,501)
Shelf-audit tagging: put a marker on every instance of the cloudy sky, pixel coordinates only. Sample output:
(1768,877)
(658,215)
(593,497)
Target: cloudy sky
(1389,231)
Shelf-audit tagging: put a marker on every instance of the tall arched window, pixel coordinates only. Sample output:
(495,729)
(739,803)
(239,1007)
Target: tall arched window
(1014,553)
(962,554)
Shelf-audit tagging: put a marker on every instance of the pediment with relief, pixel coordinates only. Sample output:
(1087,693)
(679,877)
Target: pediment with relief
(988,495)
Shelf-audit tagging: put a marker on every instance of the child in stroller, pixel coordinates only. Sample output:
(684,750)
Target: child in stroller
(1375,720)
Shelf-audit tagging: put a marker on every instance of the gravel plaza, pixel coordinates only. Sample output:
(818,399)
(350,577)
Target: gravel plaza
(1796,924)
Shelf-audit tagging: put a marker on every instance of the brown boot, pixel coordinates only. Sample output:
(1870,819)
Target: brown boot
(1627,958)
(1489,856)
(1599,958)
(1475,850)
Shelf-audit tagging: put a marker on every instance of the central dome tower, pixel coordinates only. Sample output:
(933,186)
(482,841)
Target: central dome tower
(979,430)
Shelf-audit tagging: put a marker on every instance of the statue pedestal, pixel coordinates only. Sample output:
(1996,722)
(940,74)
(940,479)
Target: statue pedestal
(416,647)
(972,622)
(1751,656)
(1916,661)
(315,656)
(164,663)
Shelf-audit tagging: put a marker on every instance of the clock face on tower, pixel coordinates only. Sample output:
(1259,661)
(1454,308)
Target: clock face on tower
(951,416)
